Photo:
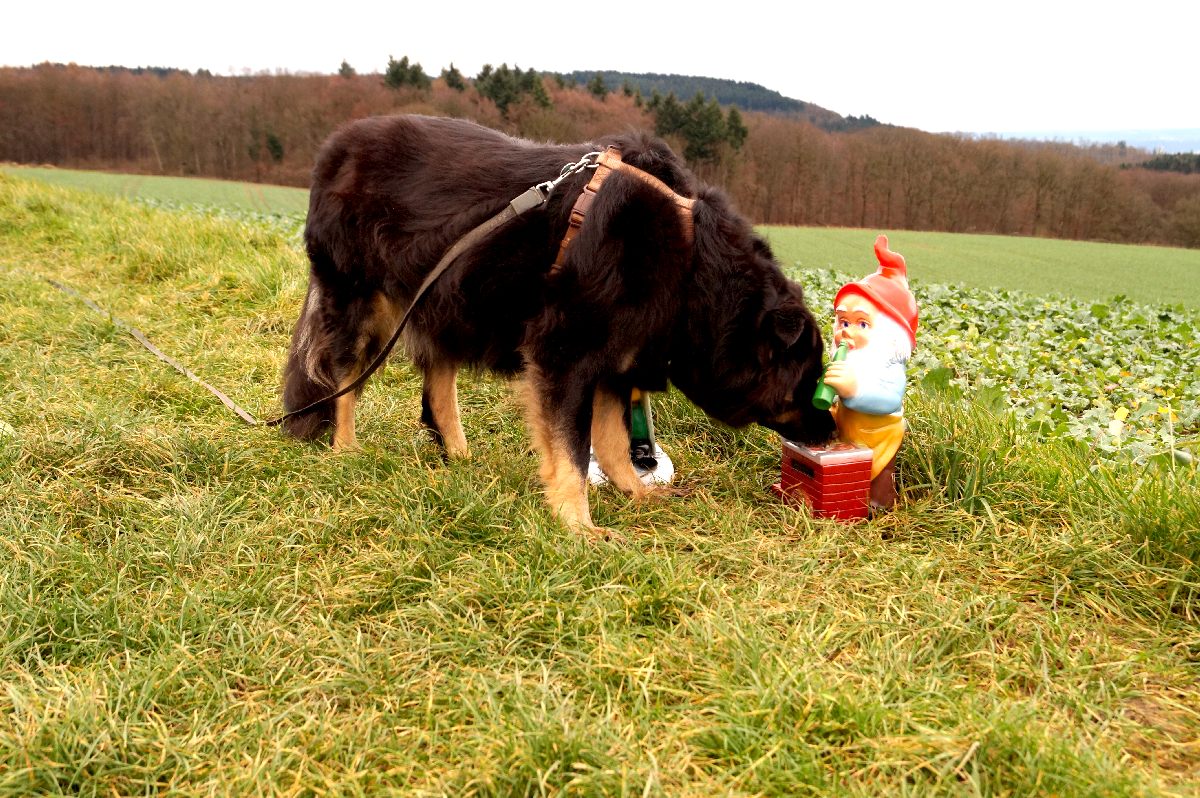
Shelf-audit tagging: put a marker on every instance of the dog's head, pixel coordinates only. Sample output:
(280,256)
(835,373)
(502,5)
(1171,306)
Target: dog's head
(752,351)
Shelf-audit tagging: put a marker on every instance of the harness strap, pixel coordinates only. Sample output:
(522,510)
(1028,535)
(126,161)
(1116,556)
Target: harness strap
(609,162)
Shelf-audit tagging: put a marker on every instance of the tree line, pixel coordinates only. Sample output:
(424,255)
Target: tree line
(746,96)
(779,169)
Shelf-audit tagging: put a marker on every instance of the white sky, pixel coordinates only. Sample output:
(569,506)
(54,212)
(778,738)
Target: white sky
(1010,66)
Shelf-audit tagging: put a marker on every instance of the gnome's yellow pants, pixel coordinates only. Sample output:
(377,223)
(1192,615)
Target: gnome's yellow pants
(881,433)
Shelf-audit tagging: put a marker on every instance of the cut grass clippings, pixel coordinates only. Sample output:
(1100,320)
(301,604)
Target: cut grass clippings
(195,607)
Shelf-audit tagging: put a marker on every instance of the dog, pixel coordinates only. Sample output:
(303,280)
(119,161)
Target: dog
(645,295)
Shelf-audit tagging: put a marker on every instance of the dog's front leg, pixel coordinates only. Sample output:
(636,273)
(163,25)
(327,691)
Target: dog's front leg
(344,439)
(439,409)
(559,414)
(610,442)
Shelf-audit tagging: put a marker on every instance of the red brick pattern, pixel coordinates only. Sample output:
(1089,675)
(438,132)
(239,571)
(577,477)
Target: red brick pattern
(834,481)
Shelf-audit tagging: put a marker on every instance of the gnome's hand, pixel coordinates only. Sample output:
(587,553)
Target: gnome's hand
(840,376)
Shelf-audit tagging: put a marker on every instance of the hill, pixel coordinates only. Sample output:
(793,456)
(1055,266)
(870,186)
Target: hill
(746,96)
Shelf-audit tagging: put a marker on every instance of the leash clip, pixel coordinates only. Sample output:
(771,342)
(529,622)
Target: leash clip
(589,161)
(537,195)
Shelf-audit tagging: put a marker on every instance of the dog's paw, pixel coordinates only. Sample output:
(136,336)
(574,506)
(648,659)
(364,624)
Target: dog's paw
(594,534)
(663,492)
(601,534)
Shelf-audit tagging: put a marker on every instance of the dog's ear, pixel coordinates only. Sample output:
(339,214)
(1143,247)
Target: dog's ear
(788,320)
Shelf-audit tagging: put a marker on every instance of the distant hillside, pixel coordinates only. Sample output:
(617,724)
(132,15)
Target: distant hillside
(746,96)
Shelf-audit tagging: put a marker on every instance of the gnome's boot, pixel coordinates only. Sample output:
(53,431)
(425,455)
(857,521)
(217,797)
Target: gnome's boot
(883,488)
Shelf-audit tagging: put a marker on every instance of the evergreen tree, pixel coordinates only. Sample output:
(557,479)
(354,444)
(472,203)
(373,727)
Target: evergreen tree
(537,89)
(735,129)
(505,86)
(670,116)
(418,78)
(454,79)
(401,73)
(704,129)
(396,74)
(346,71)
(701,124)
(275,147)
(596,86)
(498,85)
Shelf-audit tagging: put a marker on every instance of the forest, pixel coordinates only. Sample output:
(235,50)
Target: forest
(780,168)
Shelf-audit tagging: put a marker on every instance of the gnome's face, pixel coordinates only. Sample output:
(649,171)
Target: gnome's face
(854,321)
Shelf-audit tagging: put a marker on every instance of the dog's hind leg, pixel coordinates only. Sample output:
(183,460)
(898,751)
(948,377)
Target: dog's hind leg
(610,442)
(439,409)
(373,322)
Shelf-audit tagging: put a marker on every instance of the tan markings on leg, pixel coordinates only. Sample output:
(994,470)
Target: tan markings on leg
(344,439)
(567,492)
(566,487)
(610,442)
(441,382)
(385,318)
(378,327)
(538,431)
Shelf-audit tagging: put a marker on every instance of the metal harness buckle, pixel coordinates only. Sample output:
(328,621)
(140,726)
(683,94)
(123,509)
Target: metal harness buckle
(536,195)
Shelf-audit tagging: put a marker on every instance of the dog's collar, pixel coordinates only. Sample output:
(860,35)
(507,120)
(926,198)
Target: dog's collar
(609,162)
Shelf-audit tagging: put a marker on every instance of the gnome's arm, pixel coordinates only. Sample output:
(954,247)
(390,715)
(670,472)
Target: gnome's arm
(881,393)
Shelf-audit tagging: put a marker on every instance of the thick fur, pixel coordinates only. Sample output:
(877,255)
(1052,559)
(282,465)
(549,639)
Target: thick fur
(633,305)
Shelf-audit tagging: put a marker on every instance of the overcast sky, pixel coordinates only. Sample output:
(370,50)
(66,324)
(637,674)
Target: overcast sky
(1001,67)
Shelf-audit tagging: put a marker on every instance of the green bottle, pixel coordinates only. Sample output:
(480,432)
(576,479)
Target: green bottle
(824,395)
(641,431)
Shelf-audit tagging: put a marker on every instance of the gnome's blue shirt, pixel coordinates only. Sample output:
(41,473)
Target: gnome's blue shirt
(883,394)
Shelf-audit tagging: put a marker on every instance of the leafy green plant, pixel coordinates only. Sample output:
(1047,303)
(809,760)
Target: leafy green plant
(1119,376)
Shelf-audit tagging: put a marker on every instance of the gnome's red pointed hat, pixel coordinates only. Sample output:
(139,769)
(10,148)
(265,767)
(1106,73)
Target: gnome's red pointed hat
(887,289)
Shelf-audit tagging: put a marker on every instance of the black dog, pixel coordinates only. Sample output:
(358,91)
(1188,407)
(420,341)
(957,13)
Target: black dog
(646,293)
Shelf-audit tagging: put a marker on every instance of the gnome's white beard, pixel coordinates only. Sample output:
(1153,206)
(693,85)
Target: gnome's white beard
(889,344)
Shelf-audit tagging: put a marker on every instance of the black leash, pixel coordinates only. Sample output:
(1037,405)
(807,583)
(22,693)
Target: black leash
(534,197)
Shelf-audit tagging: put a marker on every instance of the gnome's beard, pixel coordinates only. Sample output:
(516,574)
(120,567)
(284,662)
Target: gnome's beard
(889,344)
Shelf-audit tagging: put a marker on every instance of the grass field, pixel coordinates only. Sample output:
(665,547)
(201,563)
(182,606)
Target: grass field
(192,607)
(1077,269)
(252,197)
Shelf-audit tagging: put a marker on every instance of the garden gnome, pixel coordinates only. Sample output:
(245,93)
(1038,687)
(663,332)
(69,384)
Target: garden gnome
(877,318)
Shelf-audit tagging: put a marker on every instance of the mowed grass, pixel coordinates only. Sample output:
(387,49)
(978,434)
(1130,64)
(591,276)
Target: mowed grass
(194,607)
(253,197)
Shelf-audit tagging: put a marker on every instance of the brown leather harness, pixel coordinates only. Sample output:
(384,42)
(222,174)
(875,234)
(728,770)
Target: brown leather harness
(609,162)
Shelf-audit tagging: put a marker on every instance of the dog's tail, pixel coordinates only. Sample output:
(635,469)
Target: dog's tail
(305,378)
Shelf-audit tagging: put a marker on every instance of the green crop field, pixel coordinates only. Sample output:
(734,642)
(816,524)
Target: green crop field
(1079,269)
(193,607)
(250,197)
